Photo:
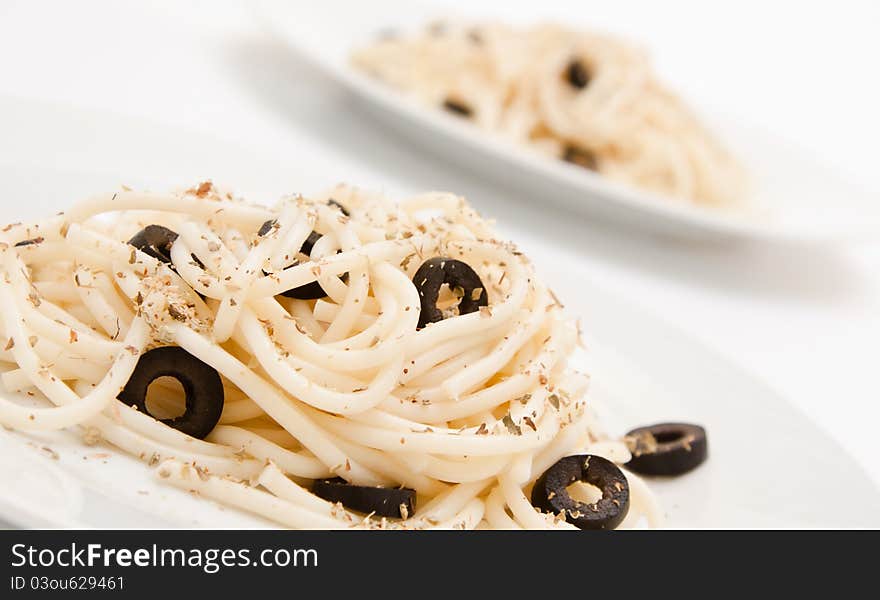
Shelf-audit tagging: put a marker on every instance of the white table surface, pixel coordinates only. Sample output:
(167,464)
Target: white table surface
(804,319)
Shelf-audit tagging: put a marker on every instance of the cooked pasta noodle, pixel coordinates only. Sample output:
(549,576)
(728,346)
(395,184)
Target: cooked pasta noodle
(584,97)
(467,411)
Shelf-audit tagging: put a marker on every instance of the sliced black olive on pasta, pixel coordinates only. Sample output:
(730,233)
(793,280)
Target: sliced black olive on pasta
(310,242)
(457,107)
(436,271)
(344,210)
(156,241)
(580,157)
(577,74)
(667,448)
(309,291)
(266,227)
(201,385)
(550,493)
(398,503)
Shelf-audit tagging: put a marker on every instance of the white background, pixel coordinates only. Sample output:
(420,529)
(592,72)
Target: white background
(804,319)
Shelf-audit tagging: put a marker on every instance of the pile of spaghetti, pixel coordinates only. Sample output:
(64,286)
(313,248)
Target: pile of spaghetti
(587,98)
(360,352)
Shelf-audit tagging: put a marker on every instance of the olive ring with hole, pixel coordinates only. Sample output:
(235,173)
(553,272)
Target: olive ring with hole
(666,448)
(398,503)
(549,493)
(201,384)
(431,276)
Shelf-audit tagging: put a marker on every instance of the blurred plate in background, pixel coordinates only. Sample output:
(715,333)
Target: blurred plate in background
(796,198)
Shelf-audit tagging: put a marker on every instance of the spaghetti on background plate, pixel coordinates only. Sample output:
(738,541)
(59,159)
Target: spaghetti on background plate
(336,361)
(587,98)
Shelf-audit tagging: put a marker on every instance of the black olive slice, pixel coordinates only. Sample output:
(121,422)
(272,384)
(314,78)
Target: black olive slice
(201,384)
(456,107)
(310,242)
(549,493)
(667,448)
(398,503)
(266,227)
(156,241)
(344,210)
(436,271)
(309,291)
(577,75)
(580,157)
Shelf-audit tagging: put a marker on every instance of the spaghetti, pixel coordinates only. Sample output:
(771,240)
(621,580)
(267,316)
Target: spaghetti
(466,411)
(584,97)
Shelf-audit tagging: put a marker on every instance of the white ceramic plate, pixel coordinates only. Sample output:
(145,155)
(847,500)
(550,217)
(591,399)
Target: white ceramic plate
(769,466)
(797,199)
